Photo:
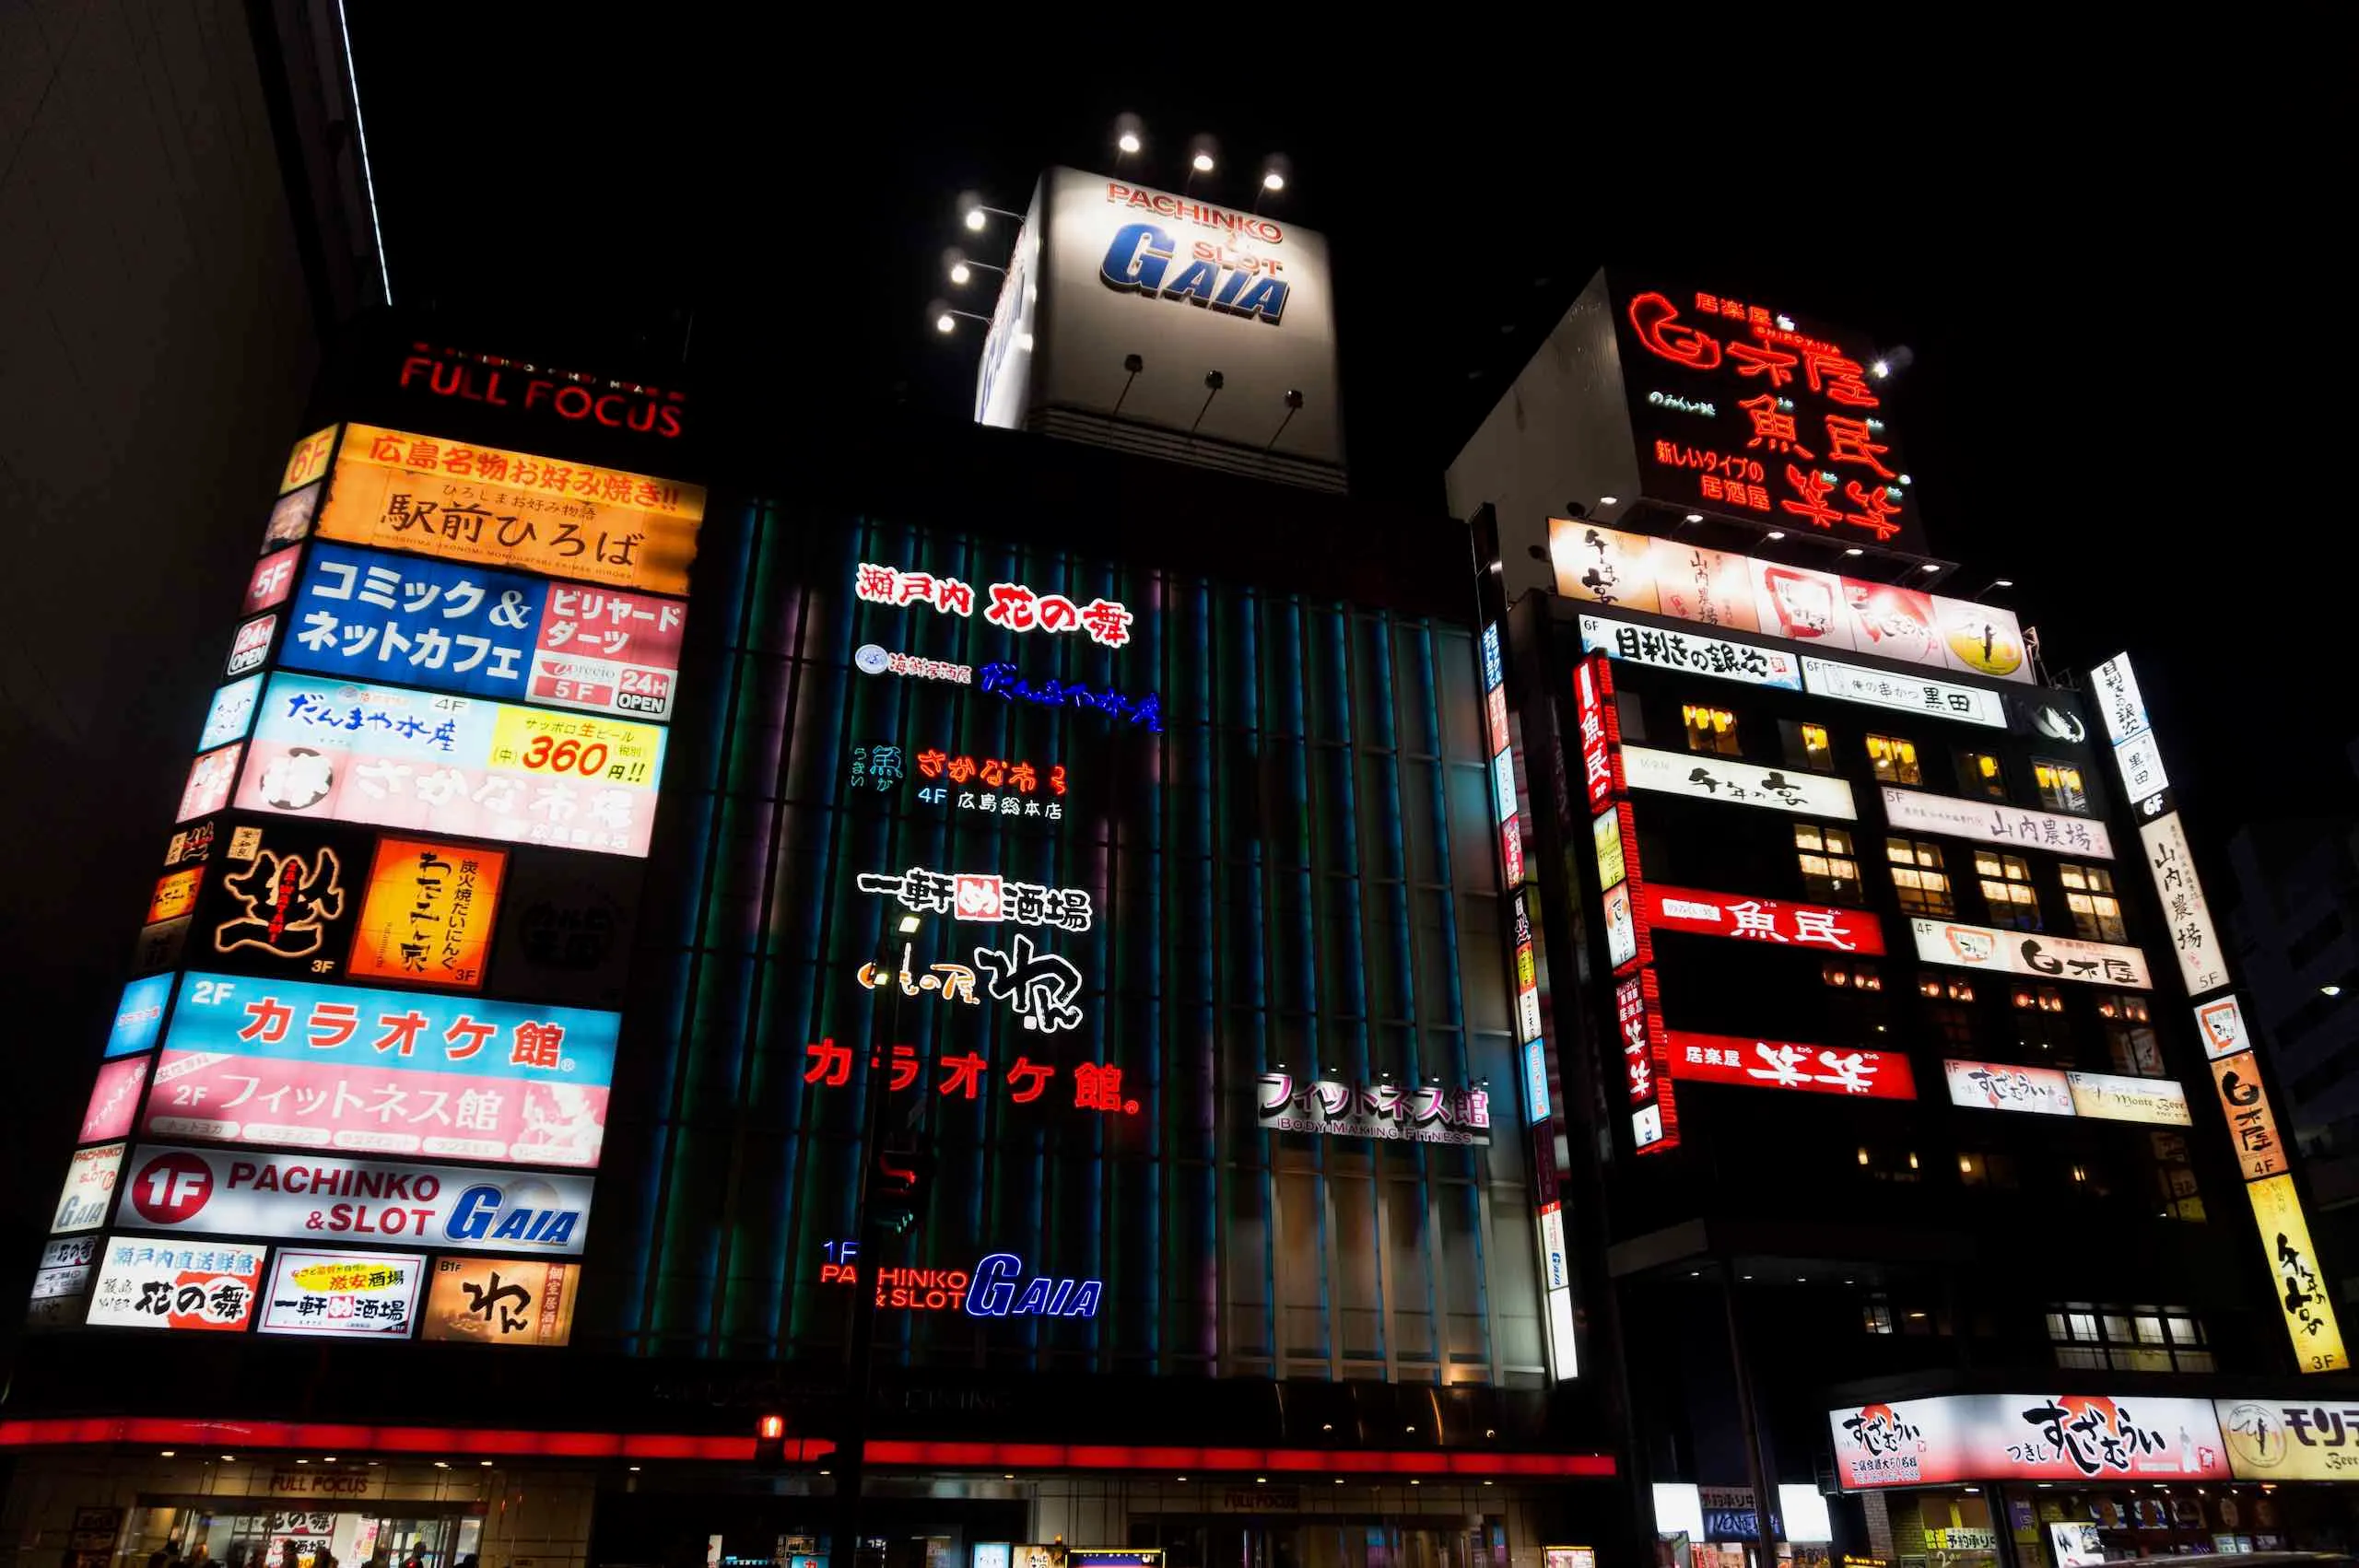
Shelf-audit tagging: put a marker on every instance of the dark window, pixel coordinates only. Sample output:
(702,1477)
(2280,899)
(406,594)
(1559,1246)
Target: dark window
(1806,745)
(1978,772)
(2316,940)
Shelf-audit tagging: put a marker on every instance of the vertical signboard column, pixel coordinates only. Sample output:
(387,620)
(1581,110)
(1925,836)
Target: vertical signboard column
(354,1021)
(1629,936)
(1532,1043)
(2297,1279)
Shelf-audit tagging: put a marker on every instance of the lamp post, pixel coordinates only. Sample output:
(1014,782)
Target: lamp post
(851,1437)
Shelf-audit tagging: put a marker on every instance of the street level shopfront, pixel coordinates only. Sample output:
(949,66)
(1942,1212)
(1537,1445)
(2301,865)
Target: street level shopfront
(2064,1480)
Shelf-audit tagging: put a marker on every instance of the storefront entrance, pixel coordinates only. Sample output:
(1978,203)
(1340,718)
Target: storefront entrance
(393,1535)
(1232,1543)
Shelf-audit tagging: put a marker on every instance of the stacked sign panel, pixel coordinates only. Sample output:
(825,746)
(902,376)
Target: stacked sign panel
(1533,1054)
(2297,1279)
(358,1081)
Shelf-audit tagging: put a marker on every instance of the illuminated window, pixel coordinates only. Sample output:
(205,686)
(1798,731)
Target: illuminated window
(2133,1339)
(2096,913)
(2130,1034)
(1807,745)
(1895,760)
(1830,867)
(2006,888)
(1917,876)
(1711,729)
(1978,772)
(2060,786)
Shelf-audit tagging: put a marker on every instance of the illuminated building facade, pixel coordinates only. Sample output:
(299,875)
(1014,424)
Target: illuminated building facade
(1941,1192)
(1092,858)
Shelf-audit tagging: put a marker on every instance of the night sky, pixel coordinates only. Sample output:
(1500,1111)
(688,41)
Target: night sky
(2098,399)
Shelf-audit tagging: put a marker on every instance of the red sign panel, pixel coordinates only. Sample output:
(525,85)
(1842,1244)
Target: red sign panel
(1739,408)
(1783,1064)
(1646,1060)
(1761,919)
(1600,733)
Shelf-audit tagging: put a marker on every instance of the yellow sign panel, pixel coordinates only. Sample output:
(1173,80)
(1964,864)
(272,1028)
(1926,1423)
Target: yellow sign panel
(500,1301)
(2251,1122)
(175,895)
(2301,1285)
(576,746)
(428,912)
(1606,829)
(495,508)
(308,461)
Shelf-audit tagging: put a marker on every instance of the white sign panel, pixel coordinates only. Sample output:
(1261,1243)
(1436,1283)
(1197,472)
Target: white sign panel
(2200,963)
(1691,653)
(307,1198)
(2001,1086)
(1106,269)
(1990,821)
(2120,700)
(90,1188)
(2220,1024)
(2108,1097)
(1907,694)
(343,1294)
(2029,954)
(1722,778)
(2139,762)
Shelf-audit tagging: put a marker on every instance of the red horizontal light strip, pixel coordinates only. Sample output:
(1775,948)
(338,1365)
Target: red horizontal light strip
(344,1437)
(1164,1456)
(479,1441)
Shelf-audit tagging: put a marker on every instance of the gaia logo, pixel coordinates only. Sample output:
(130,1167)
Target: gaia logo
(1213,276)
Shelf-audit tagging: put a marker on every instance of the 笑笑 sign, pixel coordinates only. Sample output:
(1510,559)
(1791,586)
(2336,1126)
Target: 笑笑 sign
(2060,1437)
(1719,779)
(1691,652)
(1820,610)
(2274,1440)
(386,1073)
(2030,955)
(317,1198)
(372,616)
(345,752)
(1988,821)
(1427,1114)
(489,507)
(1785,1064)
(1737,408)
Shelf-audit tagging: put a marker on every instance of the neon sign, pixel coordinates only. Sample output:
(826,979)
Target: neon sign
(988,1290)
(870,659)
(972,898)
(1783,1064)
(1010,605)
(1791,422)
(1000,679)
(1426,1113)
(1096,1087)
